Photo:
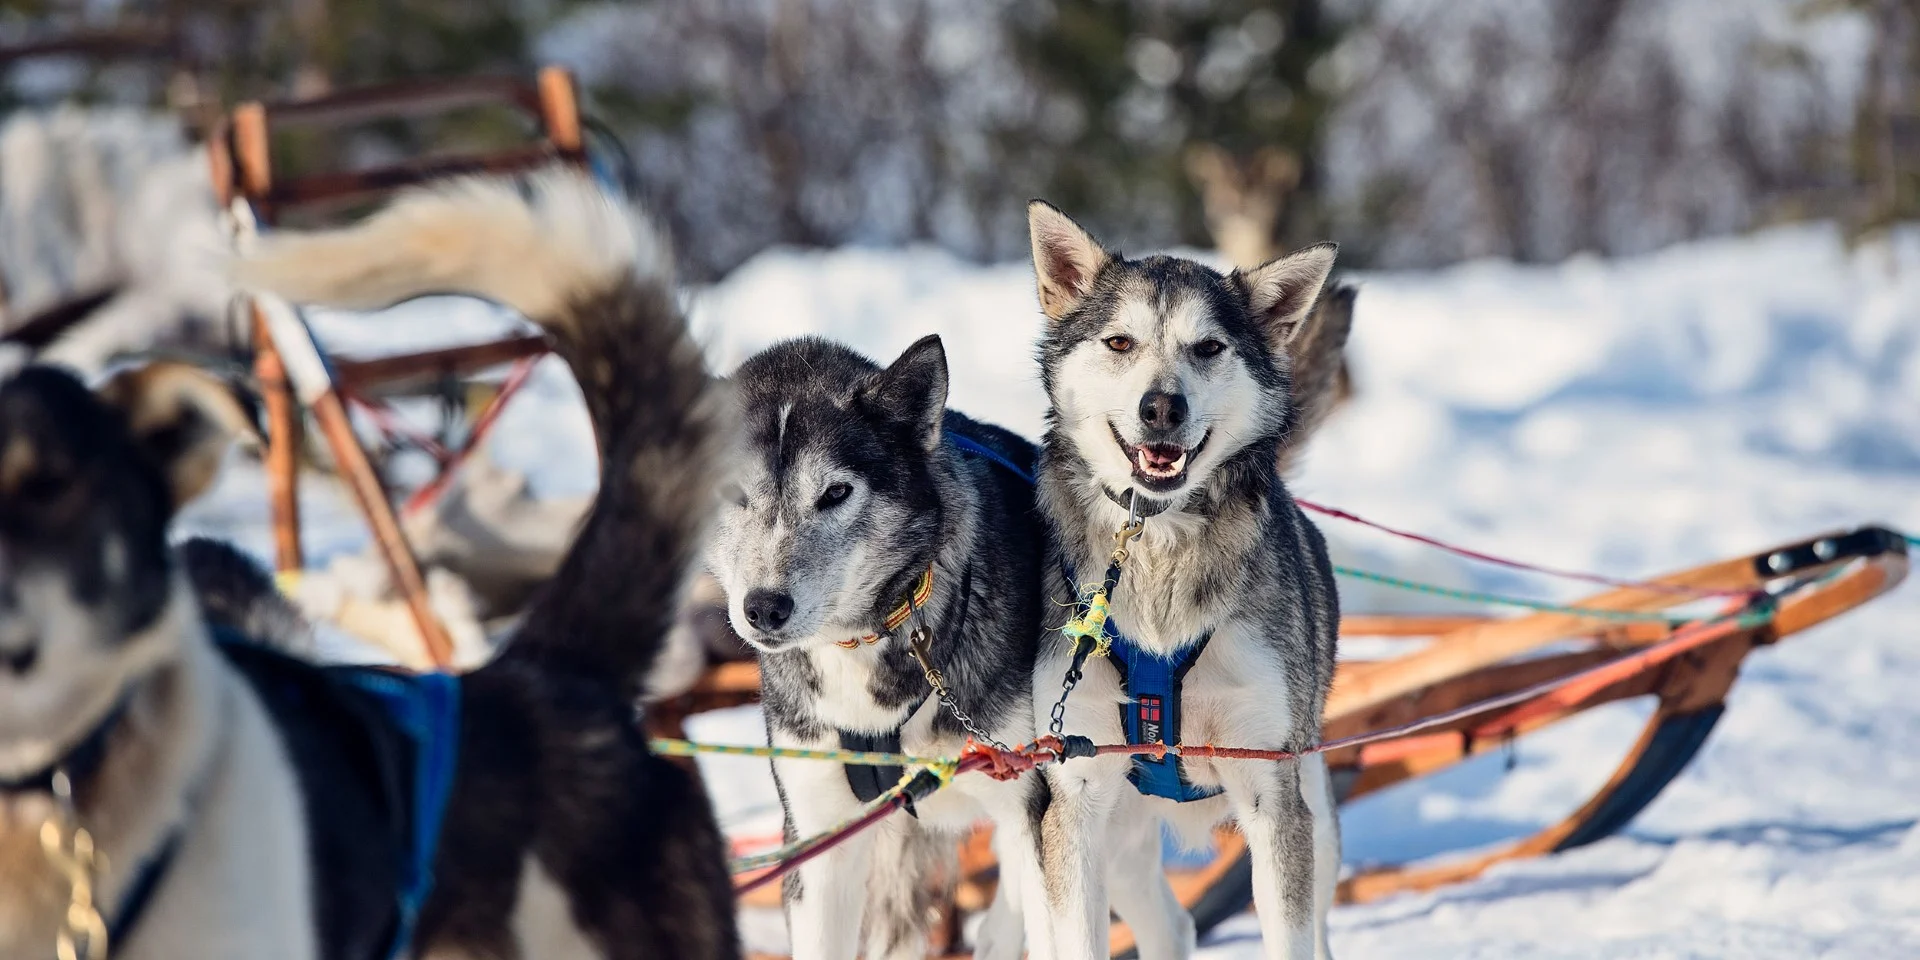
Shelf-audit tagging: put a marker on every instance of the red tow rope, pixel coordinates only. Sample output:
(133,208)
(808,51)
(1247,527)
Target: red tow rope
(1511,564)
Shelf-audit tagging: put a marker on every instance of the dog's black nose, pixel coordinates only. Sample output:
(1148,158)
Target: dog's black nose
(768,609)
(1162,410)
(22,660)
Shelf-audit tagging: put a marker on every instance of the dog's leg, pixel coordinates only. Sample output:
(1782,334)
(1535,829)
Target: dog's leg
(1137,879)
(1017,808)
(1316,787)
(1074,864)
(824,898)
(1278,825)
(1000,936)
(904,883)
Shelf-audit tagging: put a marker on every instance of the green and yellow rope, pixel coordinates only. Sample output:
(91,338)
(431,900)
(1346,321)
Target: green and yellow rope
(856,758)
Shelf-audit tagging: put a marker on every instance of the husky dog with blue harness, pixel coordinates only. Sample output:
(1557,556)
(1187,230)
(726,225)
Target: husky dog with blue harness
(860,516)
(172,788)
(1170,401)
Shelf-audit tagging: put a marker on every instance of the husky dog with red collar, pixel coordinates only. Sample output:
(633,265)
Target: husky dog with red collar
(169,789)
(1170,393)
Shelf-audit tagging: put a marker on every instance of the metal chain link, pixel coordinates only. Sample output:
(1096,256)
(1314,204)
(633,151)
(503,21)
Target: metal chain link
(70,850)
(918,644)
(1058,725)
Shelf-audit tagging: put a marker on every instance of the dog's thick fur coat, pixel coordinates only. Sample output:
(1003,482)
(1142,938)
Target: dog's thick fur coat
(1171,381)
(848,487)
(563,835)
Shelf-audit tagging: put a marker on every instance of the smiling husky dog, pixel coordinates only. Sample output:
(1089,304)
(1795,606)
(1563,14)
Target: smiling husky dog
(1170,380)
(233,794)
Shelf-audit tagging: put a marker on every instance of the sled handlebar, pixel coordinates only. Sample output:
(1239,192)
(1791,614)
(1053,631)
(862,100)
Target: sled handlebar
(241,150)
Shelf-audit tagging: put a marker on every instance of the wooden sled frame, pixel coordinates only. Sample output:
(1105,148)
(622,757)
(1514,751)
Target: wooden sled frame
(1469,660)
(292,371)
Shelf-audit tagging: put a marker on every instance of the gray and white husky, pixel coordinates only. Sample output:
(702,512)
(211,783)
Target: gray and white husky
(241,802)
(851,485)
(1169,384)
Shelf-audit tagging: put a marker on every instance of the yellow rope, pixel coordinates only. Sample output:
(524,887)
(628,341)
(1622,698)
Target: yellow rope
(858,758)
(1091,625)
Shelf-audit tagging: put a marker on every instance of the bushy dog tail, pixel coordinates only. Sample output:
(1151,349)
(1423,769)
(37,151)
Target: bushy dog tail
(596,274)
(1321,380)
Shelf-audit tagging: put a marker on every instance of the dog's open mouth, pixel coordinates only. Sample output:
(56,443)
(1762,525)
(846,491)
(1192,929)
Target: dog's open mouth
(1159,466)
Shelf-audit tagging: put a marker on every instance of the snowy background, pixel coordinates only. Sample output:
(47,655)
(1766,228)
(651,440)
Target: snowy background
(1628,416)
(1559,381)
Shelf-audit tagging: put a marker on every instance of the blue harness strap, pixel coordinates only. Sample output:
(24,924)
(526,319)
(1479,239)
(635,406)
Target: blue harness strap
(1152,711)
(401,732)
(979,449)
(425,707)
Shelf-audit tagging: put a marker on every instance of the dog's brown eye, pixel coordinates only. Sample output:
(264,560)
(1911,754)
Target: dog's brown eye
(1119,344)
(834,496)
(1208,348)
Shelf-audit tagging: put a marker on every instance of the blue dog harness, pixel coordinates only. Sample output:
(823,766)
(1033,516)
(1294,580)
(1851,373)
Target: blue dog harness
(1152,713)
(404,730)
(1152,683)
(425,707)
(978,449)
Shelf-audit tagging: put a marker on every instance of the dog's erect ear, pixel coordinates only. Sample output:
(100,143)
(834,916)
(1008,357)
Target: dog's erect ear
(913,390)
(1065,258)
(1321,378)
(1283,290)
(185,418)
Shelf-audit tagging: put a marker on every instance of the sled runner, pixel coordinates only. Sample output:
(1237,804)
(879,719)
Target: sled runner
(1551,665)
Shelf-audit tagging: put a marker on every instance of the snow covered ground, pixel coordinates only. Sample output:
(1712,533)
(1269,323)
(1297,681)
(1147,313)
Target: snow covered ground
(1628,416)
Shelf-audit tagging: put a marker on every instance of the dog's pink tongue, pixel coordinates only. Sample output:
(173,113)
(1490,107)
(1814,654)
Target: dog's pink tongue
(1162,457)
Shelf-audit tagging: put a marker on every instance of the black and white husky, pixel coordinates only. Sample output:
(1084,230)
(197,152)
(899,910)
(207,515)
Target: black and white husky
(853,489)
(239,801)
(1169,384)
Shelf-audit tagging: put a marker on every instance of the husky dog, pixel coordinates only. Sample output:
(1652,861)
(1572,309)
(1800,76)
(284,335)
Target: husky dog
(849,496)
(1169,390)
(240,801)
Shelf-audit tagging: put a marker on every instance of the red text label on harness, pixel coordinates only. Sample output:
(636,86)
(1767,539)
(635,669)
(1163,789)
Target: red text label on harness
(1149,707)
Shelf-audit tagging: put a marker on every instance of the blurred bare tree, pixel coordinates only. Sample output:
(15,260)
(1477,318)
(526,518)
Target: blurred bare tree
(1180,122)
(233,49)
(196,56)
(1886,123)
(889,121)
(814,122)
(1415,132)
(1537,130)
